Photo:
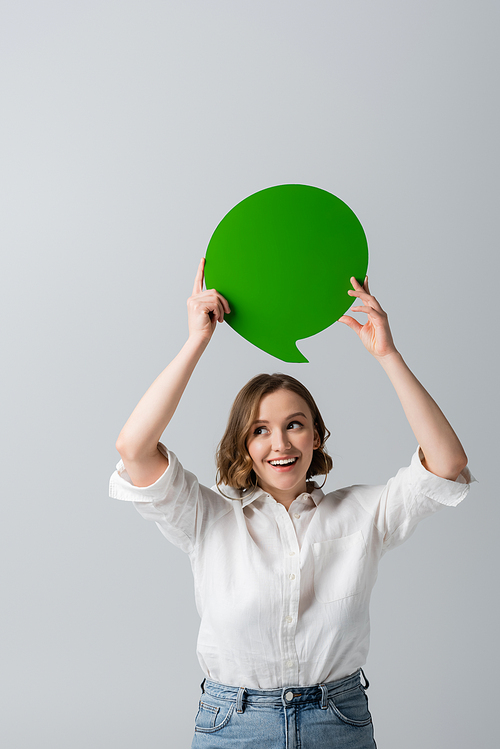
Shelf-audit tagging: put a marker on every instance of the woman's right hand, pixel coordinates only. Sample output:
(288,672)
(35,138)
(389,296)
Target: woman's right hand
(205,308)
(138,440)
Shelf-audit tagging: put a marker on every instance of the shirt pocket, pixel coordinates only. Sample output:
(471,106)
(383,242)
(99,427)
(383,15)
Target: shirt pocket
(338,567)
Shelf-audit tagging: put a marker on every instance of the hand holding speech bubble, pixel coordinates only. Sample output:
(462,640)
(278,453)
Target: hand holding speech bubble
(283,258)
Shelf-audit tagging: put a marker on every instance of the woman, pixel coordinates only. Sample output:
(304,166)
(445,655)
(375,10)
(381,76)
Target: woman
(283,573)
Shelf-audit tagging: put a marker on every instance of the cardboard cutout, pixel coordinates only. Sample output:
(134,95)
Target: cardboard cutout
(283,258)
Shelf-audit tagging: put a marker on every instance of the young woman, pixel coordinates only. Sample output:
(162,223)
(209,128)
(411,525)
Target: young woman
(283,573)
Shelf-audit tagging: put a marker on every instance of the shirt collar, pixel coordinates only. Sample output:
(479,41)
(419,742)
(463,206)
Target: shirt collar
(249,496)
(316,494)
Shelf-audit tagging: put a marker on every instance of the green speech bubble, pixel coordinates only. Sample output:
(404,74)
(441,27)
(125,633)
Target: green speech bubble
(283,258)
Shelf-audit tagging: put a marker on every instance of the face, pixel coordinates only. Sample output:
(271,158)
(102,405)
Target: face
(281,444)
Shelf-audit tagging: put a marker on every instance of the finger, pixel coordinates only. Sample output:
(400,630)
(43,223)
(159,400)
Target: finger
(368,310)
(220,310)
(216,310)
(218,300)
(366,298)
(365,285)
(198,281)
(351,323)
(225,304)
(355,282)
(358,290)
(212,306)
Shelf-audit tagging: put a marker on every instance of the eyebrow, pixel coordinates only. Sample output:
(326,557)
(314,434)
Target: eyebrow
(298,413)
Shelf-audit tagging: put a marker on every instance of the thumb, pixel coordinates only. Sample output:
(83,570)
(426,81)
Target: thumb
(351,323)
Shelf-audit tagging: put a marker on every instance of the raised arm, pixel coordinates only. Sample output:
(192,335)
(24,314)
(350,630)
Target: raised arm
(137,442)
(443,453)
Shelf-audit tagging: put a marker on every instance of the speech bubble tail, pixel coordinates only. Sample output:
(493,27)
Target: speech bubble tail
(285,350)
(294,356)
(280,348)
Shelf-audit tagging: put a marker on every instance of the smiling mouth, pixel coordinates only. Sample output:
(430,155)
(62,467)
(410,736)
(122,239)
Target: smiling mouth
(283,462)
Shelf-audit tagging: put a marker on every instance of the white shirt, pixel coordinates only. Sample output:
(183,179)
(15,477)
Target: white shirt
(284,596)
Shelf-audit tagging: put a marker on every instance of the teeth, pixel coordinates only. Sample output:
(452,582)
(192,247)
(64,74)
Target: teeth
(284,462)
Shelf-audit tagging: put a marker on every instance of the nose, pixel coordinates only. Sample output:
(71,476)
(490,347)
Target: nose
(280,441)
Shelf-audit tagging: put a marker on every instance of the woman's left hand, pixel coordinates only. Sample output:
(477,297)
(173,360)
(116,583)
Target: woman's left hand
(375,334)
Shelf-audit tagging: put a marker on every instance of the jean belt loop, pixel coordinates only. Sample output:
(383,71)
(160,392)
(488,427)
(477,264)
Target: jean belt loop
(239,700)
(324,696)
(367,683)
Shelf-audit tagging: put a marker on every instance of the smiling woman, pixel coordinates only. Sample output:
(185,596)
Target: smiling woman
(283,572)
(264,415)
(281,446)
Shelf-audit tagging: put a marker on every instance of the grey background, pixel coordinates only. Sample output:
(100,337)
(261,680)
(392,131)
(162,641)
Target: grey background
(129,129)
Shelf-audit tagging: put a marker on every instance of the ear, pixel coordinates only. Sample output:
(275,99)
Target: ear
(317,440)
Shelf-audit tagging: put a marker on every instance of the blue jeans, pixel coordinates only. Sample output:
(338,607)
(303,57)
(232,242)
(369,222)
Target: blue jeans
(326,716)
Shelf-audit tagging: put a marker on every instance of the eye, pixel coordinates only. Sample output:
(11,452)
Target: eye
(296,423)
(259,430)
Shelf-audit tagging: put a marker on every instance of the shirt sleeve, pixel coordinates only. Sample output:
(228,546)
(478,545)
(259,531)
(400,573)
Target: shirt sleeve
(181,507)
(409,497)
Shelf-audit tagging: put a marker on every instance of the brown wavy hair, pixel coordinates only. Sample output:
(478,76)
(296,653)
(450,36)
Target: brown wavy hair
(234,464)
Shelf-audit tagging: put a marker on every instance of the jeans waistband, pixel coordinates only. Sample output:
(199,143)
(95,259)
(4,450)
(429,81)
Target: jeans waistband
(287,696)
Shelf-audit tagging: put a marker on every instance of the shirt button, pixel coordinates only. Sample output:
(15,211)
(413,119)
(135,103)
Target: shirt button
(292,553)
(289,664)
(296,515)
(289,696)
(289,619)
(292,576)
